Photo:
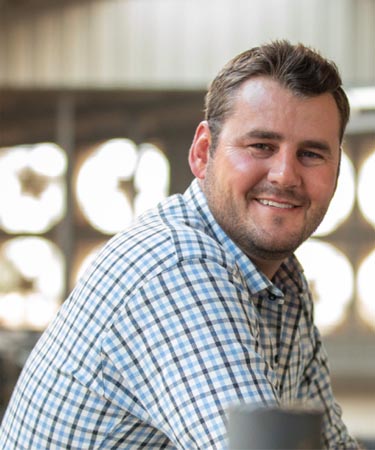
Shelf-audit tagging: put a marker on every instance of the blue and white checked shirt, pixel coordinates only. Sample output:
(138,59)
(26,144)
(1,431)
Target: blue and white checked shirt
(170,326)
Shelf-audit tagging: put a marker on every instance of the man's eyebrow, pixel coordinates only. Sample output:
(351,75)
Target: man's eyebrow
(264,134)
(309,143)
(319,145)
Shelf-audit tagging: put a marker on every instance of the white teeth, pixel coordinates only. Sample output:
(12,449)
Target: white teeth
(275,204)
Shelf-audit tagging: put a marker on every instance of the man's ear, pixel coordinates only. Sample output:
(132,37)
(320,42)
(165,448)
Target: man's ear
(199,150)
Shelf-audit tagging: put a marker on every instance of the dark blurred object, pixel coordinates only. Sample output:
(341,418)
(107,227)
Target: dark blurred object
(15,347)
(256,428)
(366,444)
(19,5)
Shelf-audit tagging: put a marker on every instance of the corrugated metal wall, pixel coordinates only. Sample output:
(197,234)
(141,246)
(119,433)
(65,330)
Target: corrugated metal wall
(174,43)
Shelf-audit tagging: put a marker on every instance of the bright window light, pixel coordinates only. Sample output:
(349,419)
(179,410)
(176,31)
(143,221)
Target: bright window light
(342,203)
(151,178)
(119,181)
(365,288)
(332,289)
(106,206)
(33,178)
(31,283)
(152,173)
(48,159)
(366,188)
(362,98)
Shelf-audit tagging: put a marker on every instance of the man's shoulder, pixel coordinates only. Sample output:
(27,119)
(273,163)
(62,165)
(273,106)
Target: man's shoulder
(173,230)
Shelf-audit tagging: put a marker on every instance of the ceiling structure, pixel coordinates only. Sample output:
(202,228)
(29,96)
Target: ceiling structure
(143,44)
(32,115)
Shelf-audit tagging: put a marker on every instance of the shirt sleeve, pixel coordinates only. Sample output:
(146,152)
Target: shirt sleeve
(316,387)
(183,350)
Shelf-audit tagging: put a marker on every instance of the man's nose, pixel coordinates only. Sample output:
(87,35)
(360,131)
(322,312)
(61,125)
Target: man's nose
(285,170)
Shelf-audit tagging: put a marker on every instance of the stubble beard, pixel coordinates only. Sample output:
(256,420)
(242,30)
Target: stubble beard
(255,241)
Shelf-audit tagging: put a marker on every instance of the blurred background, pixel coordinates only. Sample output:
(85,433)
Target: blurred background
(99,100)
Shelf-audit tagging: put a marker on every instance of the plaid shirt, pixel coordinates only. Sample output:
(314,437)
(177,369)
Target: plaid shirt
(170,326)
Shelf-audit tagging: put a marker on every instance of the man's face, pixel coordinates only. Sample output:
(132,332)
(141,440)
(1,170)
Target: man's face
(273,173)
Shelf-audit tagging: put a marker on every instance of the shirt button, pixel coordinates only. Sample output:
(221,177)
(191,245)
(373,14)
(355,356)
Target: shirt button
(272,297)
(276,359)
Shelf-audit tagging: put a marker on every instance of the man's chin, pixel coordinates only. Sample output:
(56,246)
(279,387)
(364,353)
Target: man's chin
(274,252)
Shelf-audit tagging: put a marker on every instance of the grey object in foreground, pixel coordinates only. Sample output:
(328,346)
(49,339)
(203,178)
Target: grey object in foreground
(260,428)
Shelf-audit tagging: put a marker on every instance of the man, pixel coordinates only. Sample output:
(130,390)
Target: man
(201,304)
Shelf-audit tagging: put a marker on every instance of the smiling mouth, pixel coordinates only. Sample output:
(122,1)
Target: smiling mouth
(275,204)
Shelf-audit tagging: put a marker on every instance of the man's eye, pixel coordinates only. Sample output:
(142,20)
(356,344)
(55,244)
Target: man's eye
(261,146)
(310,154)
(311,158)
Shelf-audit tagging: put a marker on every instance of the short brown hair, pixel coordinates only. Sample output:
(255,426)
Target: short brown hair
(302,70)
